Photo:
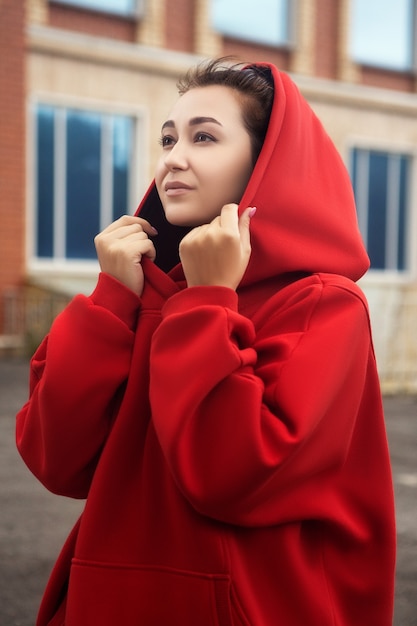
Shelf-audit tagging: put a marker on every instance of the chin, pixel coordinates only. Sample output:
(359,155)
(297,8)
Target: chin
(179,220)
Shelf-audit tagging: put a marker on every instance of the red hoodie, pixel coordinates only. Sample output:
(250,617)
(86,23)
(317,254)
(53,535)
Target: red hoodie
(231,446)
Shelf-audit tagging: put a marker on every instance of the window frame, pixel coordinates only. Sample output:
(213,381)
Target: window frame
(408,274)
(137,183)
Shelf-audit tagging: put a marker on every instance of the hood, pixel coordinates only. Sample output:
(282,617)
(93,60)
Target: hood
(306,217)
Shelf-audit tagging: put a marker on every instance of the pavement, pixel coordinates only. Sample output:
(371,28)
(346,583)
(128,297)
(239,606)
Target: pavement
(34,523)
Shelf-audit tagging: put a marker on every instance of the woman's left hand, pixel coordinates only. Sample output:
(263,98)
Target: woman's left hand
(217,254)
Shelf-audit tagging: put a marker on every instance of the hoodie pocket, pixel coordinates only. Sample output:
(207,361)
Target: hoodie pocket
(146,596)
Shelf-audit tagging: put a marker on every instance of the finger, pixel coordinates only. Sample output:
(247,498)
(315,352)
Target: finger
(136,241)
(135,248)
(148,250)
(244,226)
(193,234)
(124,220)
(147,227)
(131,220)
(229,217)
(123,232)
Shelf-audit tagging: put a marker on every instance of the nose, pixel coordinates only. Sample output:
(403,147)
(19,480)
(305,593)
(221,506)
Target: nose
(176,158)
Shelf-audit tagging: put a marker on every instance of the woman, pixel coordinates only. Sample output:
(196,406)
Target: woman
(221,415)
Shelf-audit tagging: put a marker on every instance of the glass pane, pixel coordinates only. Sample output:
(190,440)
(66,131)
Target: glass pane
(404,171)
(265,21)
(123,128)
(353,156)
(360,179)
(377,209)
(45,181)
(121,7)
(376,22)
(83,184)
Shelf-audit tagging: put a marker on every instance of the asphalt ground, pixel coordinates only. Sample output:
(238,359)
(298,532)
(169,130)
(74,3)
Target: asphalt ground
(35,523)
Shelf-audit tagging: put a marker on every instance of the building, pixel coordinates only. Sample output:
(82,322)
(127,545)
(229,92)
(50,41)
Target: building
(84,85)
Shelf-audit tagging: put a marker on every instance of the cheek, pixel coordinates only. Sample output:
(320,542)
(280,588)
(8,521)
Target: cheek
(242,168)
(229,187)
(241,176)
(159,174)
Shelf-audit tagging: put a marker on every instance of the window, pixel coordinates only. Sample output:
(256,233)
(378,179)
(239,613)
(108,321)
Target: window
(263,21)
(383,33)
(83,177)
(381,182)
(120,7)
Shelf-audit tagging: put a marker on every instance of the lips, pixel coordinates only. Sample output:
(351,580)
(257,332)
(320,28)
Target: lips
(176,188)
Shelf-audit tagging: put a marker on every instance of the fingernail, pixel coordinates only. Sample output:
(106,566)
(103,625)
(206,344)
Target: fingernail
(155,232)
(252,211)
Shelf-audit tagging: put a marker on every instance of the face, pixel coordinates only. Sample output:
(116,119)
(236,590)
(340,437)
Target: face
(206,158)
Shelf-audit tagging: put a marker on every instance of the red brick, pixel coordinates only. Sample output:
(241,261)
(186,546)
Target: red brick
(92,22)
(179,25)
(12,144)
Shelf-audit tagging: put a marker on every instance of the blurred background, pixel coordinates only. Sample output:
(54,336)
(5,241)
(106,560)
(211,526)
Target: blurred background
(84,87)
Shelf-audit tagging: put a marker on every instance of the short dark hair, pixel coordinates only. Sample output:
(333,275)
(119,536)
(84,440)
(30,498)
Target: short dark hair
(252,82)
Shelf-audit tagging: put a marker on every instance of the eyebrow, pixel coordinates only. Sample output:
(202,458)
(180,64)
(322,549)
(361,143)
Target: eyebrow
(195,121)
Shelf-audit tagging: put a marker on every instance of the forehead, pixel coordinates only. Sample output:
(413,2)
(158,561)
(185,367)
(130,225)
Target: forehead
(217,101)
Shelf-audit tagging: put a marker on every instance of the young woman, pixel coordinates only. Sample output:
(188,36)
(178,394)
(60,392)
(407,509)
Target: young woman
(216,399)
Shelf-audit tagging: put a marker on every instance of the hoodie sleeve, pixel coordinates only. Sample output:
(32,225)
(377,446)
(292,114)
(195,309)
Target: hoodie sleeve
(77,376)
(255,426)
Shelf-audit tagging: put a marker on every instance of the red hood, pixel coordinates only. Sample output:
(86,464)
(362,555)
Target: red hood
(306,217)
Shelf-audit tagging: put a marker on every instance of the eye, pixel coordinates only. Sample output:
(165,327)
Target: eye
(203,138)
(166,141)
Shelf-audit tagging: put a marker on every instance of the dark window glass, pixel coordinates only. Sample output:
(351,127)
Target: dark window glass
(83,170)
(404,169)
(45,182)
(122,158)
(381,183)
(377,209)
(82,184)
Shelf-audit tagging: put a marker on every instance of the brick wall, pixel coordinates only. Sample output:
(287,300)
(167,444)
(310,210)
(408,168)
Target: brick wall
(179,25)
(92,22)
(327,27)
(12,145)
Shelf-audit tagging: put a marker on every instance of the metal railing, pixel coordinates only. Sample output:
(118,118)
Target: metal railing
(27,314)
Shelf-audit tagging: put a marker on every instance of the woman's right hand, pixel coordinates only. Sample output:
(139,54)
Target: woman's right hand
(120,248)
